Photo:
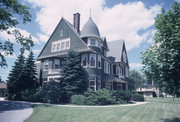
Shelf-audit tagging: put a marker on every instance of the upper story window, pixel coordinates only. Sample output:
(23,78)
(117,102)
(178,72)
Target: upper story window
(46,64)
(94,42)
(92,60)
(99,61)
(124,57)
(60,45)
(106,67)
(105,53)
(84,60)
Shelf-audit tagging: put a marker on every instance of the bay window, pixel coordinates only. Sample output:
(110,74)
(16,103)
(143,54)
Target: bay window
(92,60)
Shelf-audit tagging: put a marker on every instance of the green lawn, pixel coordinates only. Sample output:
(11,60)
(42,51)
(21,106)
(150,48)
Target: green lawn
(159,110)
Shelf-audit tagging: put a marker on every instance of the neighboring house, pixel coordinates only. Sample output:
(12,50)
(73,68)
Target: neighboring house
(106,64)
(149,90)
(2,89)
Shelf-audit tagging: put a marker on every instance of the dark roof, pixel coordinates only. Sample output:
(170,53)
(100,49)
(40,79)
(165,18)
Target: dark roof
(115,48)
(3,86)
(105,44)
(90,29)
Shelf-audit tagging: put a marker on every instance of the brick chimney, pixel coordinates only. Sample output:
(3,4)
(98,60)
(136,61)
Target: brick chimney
(76,21)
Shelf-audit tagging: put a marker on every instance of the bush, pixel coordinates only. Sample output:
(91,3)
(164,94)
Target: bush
(122,95)
(28,95)
(137,97)
(78,99)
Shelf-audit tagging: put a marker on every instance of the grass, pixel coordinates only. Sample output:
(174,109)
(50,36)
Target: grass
(158,110)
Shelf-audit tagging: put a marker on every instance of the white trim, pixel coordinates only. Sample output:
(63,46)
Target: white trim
(91,56)
(59,45)
(99,60)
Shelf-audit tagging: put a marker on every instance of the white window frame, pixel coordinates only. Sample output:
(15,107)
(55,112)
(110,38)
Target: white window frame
(83,56)
(61,45)
(92,80)
(53,77)
(46,63)
(99,61)
(106,67)
(90,56)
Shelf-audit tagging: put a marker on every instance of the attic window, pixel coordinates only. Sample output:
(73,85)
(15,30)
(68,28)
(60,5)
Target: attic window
(60,45)
(61,32)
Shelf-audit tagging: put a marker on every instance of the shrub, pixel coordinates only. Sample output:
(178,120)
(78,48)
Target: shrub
(91,97)
(122,95)
(105,97)
(27,95)
(137,97)
(78,99)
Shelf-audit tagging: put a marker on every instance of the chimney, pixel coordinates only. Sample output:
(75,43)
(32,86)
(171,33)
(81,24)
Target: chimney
(76,22)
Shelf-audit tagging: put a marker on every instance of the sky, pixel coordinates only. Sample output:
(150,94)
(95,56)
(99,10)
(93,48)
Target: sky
(130,20)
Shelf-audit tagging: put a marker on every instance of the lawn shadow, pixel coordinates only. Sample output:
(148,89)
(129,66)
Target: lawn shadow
(12,105)
(174,119)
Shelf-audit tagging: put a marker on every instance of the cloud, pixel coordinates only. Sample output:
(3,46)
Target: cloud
(42,37)
(135,65)
(5,36)
(121,21)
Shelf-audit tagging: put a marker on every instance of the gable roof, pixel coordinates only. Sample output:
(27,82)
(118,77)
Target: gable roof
(116,48)
(53,35)
(105,44)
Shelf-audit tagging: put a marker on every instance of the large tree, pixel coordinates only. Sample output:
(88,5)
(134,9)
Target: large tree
(29,76)
(73,75)
(162,59)
(15,79)
(11,14)
(136,80)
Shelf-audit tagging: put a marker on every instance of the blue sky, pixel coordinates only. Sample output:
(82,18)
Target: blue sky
(130,20)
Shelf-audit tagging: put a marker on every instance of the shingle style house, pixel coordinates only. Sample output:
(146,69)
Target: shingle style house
(106,64)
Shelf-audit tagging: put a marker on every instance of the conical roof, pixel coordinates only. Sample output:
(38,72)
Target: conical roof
(90,29)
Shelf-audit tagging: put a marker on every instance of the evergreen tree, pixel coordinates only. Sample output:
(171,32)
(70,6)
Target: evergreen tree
(73,75)
(29,76)
(14,82)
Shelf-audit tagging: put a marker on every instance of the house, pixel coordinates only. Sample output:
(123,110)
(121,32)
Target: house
(2,89)
(106,64)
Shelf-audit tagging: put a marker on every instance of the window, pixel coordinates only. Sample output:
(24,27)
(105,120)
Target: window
(93,42)
(99,83)
(53,47)
(61,32)
(92,83)
(46,65)
(105,53)
(60,45)
(99,61)
(106,67)
(84,60)
(67,46)
(92,60)
(56,63)
(127,73)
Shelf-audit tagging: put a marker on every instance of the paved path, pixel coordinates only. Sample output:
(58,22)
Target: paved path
(11,111)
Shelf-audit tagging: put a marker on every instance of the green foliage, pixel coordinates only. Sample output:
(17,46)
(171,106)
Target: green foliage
(162,59)
(138,97)
(136,80)
(10,10)
(14,82)
(52,92)
(101,97)
(1,81)
(22,77)
(73,75)
(122,95)
(78,99)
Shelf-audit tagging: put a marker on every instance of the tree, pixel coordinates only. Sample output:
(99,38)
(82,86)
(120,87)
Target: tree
(73,75)
(15,78)
(136,80)
(10,10)
(162,59)
(29,75)
(1,81)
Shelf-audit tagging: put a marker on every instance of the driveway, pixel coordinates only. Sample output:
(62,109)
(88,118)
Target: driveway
(11,111)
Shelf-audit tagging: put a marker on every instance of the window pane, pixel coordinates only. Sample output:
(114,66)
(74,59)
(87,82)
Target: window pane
(93,42)
(62,45)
